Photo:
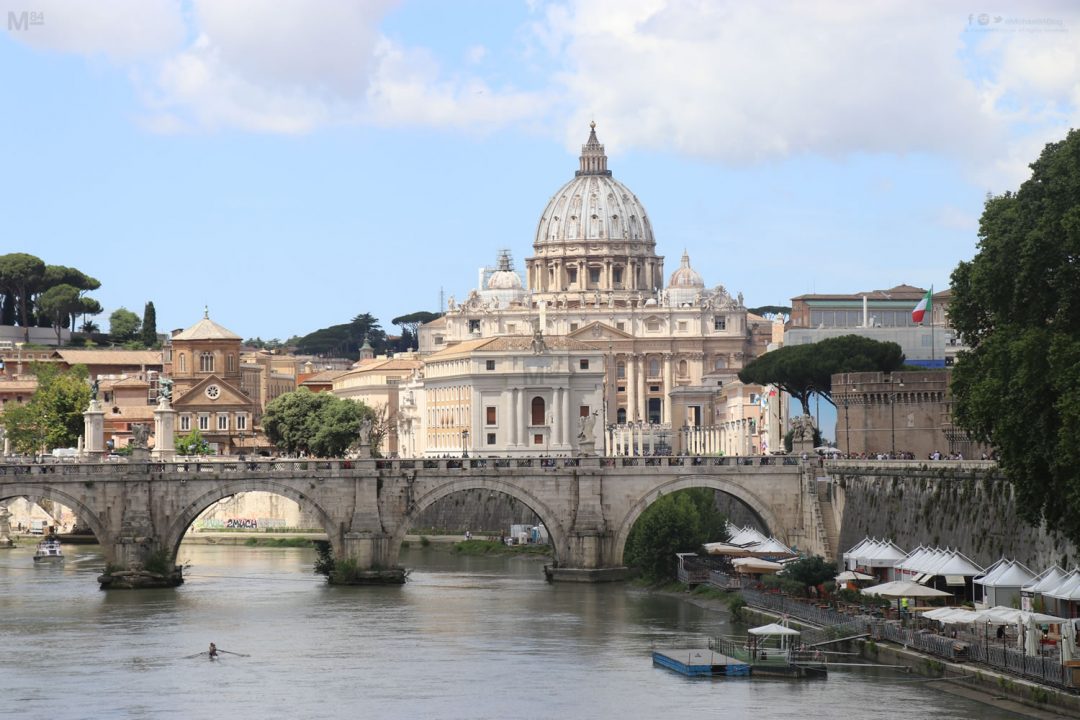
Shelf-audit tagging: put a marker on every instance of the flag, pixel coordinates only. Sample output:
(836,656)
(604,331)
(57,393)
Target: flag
(920,309)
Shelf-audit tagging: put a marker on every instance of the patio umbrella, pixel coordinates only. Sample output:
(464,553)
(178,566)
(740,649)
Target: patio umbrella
(853,576)
(828,450)
(903,589)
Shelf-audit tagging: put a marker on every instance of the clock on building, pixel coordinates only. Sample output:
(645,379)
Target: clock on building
(213,392)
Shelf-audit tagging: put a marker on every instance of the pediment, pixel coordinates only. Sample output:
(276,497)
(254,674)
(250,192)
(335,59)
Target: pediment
(203,397)
(598,331)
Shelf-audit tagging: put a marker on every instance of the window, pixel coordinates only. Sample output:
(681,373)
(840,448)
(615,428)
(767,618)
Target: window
(594,275)
(654,367)
(511,328)
(474,326)
(621,388)
(538,439)
(491,438)
(538,409)
(490,365)
(616,273)
(583,364)
(185,423)
(719,323)
(241,421)
(719,363)
(620,369)
(682,326)
(620,416)
(222,421)
(654,388)
(573,327)
(438,339)
(206,362)
(682,368)
(182,361)
(583,411)
(652,325)
(571,276)
(490,415)
(204,421)
(620,326)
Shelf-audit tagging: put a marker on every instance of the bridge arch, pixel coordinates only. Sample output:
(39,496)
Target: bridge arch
(751,500)
(84,511)
(178,527)
(556,530)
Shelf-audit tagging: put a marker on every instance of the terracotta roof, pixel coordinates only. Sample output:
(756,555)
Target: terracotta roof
(129,412)
(323,377)
(511,343)
(384,365)
(130,382)
(17,385)
(206,329)
(439,322)
(110,357)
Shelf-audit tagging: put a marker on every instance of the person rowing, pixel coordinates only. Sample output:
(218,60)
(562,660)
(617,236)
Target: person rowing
(213,653)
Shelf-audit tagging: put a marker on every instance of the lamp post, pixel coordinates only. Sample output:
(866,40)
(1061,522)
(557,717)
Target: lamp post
(464,443)
(18,369)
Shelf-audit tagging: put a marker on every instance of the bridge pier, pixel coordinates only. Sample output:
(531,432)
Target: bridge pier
(139,563)
(370,558)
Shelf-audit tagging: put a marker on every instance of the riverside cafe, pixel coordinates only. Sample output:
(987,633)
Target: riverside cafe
(874,557)
(942,569)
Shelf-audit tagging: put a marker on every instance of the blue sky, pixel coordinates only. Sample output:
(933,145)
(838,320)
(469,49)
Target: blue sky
(295,163)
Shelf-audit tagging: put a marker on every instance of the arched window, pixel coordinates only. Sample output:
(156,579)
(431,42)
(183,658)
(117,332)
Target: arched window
(181,361)
(719,363)
(620,416)
(538,411)
(654,367)
(206,361)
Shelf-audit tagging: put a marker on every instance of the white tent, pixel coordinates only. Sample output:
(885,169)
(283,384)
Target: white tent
(744,536)
(773,629)
(903,588)
(1048,579)
(1002,582)
(756,566)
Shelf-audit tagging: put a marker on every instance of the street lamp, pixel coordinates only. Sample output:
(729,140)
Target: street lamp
(464,443)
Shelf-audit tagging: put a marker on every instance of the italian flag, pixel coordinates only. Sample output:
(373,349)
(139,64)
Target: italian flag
(920,309)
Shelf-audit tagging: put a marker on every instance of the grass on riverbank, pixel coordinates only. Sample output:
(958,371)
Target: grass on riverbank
(494,547)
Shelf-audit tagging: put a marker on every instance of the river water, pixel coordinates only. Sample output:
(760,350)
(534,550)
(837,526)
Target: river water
(466,637)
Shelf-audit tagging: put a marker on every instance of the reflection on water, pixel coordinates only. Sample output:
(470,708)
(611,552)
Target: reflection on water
(467,637)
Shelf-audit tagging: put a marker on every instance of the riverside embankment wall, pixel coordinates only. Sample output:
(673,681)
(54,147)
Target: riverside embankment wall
(968,506)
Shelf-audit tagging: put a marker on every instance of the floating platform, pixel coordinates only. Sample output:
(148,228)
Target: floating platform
(697,662)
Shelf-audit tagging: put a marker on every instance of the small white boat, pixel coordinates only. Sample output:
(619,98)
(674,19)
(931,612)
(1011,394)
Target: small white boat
(48,550)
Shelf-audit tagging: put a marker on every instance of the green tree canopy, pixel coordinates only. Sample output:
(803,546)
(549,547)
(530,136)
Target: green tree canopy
(123,325)
(59,303)
(345,340)
(53,417)
(809,571)
(1017,306)
(680,522)
(21,275)
(315,423)
(148,334)
(803,370)
(410,324)
(192,444)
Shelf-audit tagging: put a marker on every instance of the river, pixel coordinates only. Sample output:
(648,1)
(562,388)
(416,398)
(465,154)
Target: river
(466,637)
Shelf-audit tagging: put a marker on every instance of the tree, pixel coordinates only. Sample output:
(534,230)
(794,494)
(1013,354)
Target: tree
(314,423)
(149,326)
(123,325)
(680,522)
(345,340)
(89,306)
(803,370)
(410,324)
(1017,308)
(58,303)
(20,275)
(809,572)
(192,444)
(53,417)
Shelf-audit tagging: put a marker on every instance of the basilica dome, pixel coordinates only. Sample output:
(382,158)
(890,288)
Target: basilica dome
(686,276)
(593,206)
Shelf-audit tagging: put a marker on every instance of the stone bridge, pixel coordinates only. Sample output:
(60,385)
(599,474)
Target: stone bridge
(141,510)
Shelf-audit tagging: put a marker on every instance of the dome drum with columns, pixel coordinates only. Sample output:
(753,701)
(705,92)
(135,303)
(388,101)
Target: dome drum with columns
(671,354)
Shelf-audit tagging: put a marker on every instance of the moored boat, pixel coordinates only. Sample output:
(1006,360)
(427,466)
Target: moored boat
(48,551)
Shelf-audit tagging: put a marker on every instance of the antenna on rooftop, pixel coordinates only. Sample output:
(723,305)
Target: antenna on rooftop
(442,300)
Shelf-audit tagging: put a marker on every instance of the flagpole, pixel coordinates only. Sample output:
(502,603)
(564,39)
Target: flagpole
(933,346)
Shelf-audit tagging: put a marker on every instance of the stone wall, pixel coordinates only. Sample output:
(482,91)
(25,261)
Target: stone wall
(477,511)
(968,508)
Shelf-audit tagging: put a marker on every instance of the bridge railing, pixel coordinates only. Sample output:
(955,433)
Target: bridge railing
(20,466)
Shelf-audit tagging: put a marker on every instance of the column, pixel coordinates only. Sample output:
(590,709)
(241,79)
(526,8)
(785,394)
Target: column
(94,429)
(643,401)
(631,387)
(164,431)
(519,414)
(665,411)
(570,428)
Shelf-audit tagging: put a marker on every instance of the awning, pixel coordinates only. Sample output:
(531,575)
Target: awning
(954,580)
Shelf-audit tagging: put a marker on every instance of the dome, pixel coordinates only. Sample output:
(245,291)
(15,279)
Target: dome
(686,276)
(593,206)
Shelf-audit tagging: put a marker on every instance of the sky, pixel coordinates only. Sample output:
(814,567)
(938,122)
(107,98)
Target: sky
(292,164)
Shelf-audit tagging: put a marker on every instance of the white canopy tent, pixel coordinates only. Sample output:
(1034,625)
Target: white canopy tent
(1002,582)
(1048,579)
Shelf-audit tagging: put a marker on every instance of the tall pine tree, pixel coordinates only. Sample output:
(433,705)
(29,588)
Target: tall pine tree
(149,326)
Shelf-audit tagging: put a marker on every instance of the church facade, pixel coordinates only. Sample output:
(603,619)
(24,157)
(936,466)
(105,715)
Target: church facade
(663,352)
